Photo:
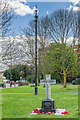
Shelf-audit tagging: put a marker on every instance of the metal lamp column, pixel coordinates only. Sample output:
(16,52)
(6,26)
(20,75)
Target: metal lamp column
(36,17)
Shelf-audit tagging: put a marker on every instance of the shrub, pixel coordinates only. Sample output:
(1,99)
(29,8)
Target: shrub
(16,72)
(30,78)
(23,83)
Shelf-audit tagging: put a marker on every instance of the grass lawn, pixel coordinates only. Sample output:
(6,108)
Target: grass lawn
(28,89)
(0,106)
(20,106)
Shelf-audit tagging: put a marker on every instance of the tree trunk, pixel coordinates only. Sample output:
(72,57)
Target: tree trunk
(61,81)
(38,81)
(44,79)
(61,75)
(64,79)
(44,86)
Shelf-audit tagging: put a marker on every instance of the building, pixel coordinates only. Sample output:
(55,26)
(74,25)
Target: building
(77,48)
(75,44)
(77,51)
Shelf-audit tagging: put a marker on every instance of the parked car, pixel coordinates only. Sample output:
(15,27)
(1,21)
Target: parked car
(17,81)
(76,81)
(12,82)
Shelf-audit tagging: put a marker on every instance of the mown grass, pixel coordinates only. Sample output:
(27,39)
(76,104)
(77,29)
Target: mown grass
(0,105)
(21,105)
(28,89)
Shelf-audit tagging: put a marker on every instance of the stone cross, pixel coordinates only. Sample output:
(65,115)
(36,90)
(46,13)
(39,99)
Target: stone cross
(48,82)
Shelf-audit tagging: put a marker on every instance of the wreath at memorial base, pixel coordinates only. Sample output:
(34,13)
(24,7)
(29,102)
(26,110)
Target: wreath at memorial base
(37,111)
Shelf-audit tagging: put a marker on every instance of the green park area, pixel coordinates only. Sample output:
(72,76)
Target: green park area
(21,105)
(39,47)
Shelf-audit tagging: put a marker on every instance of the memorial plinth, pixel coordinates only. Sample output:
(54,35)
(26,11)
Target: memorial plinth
(48,103)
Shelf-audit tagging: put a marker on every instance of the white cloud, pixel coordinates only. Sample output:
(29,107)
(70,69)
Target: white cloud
(23,1)
(20,8)
(47,12)
(70,41)
(70,7)
(74,1)
(74,7)
(47,0)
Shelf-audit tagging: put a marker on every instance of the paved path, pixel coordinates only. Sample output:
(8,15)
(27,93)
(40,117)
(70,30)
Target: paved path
(40,93)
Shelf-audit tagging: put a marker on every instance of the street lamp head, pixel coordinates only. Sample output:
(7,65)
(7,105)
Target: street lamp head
(36,16)
(36,10)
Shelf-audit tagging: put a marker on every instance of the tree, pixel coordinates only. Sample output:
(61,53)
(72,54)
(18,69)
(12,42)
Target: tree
(61,24)
(17,72)
(57,27)
(6,16)
(62,64)
(43,25)
(43,40)
(14,51)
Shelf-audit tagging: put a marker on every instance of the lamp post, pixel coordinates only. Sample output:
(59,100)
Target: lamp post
(36,17)
(79,25)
